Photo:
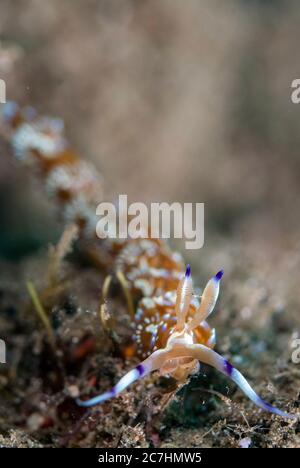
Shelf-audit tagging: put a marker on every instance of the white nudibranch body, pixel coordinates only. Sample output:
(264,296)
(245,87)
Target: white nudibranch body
(181,355)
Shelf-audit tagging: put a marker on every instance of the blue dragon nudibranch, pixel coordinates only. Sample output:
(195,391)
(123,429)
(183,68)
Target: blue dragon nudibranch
(184,350)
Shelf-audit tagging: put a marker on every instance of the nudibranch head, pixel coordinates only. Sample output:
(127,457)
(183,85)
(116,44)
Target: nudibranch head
(181,350)
(155,320)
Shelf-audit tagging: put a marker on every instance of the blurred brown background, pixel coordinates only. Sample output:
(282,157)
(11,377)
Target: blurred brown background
(174,101)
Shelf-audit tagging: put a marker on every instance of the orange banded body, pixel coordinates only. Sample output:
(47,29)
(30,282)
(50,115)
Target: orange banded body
(152,269)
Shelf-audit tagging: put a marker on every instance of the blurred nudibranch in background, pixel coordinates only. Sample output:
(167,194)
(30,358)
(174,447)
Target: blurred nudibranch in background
(40,144)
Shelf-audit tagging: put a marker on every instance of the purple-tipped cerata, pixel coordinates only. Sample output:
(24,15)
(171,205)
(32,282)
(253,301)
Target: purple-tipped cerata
(188,271)
(219,275)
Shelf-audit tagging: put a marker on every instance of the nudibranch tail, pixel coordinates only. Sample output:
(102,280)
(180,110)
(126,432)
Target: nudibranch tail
(210,357)
(208,300)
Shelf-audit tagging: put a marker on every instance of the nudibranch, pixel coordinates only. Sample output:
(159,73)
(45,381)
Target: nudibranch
(39,143)
(189,343)
(171,333)
(149,266)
